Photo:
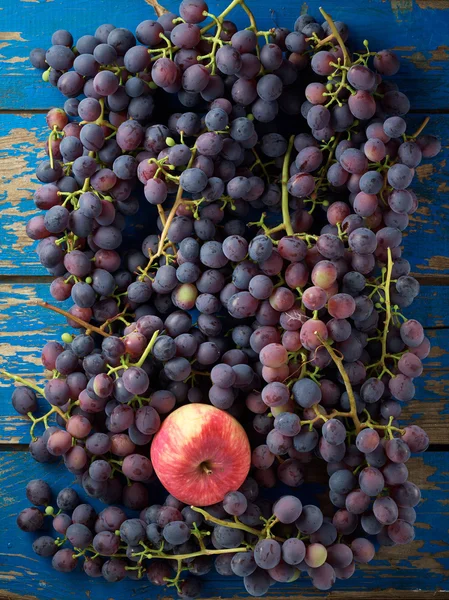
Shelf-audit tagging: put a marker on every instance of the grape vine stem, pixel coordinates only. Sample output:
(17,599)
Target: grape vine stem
(170,217)
(87,326)
(420,128)
(238,525)
(285,177)
(387,308)
(339,364)
(36,388)
(337,36)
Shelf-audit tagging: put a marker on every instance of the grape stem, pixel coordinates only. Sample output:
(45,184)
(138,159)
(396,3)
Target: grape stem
(236,525)
(26,382)
(39,390)
(285,177)
(387,309)
(337,36)
(420,128)
(147,350)
(339,364)
(171,216)
(222,15)
(87,326)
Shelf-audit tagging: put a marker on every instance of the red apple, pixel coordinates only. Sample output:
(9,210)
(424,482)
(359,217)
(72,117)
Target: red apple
(200,453)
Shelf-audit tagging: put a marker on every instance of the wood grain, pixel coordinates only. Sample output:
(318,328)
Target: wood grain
(417,29)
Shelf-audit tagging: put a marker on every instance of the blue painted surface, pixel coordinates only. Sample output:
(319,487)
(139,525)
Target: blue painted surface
(418,30)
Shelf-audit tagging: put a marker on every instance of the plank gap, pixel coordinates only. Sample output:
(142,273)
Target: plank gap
(26,279)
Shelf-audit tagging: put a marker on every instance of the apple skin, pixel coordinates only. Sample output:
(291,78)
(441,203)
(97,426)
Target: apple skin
(200,453)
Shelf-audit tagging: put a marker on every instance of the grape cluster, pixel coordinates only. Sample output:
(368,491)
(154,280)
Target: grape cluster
(291,322)
(236,537)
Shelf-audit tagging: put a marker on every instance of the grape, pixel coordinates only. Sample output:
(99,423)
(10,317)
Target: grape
(45,546)
(235,503)
(228,537)
(345,521)
(430,146)
(371,481)
(37,58)
(401,532)
(339,555)
(228,60)
(323,577)
(395,473)
(257,583)
(67,499)
(386,62)
(30,519)
(176,532)
(106,543)
(416,438)
(63,561)
(397,450)
(310,519)
(367,440)
(385,510)
(79,535)
(406,495)
(24,400)
(287,509)
(316,555)
(326,534)
(306,392)
(243,564)
(342,481)
(407,514)
(85,515)
(267,553)
(287,423)
(321,63)
(334,432)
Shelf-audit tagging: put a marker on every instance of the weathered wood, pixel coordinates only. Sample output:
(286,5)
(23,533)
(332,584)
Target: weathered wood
(401,24)
(22,147)
(25,327)
(422,566)
(418,30)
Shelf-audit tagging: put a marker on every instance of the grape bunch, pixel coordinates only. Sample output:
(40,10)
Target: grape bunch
(277,167)
(236,537)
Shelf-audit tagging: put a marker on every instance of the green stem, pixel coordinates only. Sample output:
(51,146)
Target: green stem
(337,36)
(285,178)
(339,364)
(26,382)
(239,525)
(147,350)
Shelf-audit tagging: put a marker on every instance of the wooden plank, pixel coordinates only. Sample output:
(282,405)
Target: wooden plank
(21,148)
(25,328)
(401,24)
(421,566)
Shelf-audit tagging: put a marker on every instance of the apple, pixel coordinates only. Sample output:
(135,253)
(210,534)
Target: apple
(200,453)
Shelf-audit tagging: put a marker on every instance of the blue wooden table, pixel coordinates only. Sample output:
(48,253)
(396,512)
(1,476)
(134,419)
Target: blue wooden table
(419,32)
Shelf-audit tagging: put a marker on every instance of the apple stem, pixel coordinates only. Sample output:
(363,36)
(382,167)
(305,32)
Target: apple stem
(206,468)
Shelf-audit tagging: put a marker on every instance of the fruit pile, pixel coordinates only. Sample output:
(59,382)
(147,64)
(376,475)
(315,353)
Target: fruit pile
(260,329)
